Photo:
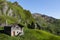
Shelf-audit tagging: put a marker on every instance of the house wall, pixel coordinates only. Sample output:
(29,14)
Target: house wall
(16,30)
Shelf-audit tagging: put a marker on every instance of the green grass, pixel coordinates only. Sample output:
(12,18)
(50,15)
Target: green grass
(1,28)
(31,34)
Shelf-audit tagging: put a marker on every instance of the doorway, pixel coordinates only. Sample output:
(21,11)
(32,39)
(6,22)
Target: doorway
(13,33)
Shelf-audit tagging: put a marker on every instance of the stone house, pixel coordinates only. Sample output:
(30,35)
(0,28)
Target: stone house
(14,30)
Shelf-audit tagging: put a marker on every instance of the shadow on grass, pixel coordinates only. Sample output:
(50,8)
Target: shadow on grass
(1,31)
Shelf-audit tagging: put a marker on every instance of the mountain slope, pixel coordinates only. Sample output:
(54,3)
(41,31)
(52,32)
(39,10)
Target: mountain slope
(47,23)
(31,34)
(14,13)
(11,13)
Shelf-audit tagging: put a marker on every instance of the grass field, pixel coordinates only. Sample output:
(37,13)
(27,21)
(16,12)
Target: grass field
(31,34)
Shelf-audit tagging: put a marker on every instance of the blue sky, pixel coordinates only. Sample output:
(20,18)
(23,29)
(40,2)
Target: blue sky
(47,7)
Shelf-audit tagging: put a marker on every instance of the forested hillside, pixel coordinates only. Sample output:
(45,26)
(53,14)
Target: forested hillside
(47,23)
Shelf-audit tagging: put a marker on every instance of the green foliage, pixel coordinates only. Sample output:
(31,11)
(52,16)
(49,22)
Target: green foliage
(2,19)
(2,0)
(29,19)
(1,28)
(25,16)
(48,24)
(31,34)
(9,19)
(19,15)
(6,37)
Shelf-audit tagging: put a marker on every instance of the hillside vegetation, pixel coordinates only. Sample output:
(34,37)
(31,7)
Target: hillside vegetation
(47,23)
(14,13)
(36,26)
(31,34)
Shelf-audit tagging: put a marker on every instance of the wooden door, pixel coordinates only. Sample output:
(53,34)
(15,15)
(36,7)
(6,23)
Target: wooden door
(13,33)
